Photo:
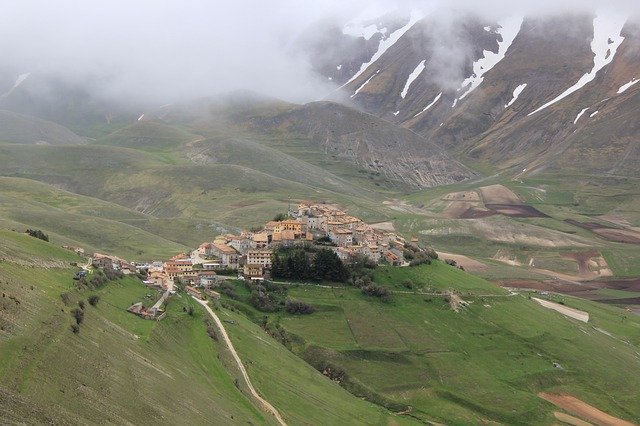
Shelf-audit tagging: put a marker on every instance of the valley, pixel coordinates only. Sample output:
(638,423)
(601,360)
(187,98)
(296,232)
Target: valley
(442,226)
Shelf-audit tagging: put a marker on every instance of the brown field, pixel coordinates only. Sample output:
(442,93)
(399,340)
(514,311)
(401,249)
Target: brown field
(466,210)
(583,410)
(498,194)
(554,286)
(470,265)
(462,196)
(383,226)
(617,235)
(516,210)
(591,264)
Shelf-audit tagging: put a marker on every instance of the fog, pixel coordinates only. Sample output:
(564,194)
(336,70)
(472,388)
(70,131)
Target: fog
(163,51)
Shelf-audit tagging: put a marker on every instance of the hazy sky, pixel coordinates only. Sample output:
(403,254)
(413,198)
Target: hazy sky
(174,49)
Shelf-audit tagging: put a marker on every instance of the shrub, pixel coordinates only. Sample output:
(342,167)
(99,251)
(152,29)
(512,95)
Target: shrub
(81,304)
(75,328)
(94,299)
(66,298)
(78,314)
(377,291)
(298,307)
(408,283)
(36,233)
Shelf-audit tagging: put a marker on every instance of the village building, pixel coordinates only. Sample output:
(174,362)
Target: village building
(261,257)
(253,272)
(102,261)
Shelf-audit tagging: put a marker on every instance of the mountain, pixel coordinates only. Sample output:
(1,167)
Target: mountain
(533,93)
(23,129)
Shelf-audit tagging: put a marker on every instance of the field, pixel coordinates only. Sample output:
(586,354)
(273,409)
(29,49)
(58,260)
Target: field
(122,369)
(485,363)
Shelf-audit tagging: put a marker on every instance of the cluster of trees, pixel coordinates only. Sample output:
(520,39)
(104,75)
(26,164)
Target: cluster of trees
(298,307)
(304,263)
(99,279)
(267,296)
(38,234)
(376,290)
(416,256)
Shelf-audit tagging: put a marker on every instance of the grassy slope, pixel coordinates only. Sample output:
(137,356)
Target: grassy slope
(484,363)
(123,369)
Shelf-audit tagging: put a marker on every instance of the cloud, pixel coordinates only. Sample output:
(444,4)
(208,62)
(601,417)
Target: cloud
(171,50)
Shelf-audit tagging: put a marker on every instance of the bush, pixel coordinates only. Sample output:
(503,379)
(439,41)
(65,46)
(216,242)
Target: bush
(81,304)
(377,291)
(408,283)
(78,314)
(66,298)
(94,299)
(298,307)
(36,233)
(75,328)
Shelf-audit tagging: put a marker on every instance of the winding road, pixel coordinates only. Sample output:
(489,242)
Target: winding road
(265,404)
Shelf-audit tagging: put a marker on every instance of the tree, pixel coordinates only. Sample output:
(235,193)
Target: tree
(298,307)
(78,314)
(81,304)
(94,299)
(328,266)
(280,217)
(36,233)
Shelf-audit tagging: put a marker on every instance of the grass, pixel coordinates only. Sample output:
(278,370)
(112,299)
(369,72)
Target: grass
(484,363)
(123,369)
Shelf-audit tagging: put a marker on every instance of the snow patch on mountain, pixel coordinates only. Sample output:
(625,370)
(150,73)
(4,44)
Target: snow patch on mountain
(430,105)
(593,114)
(339,67)
(516,93)
(397,112)
(359,30)
(627,85)
(580,115)
(21,78)
(141,117)
(386,43)
(364,84)
(605,43)
(455,102)
(414,74)
(508,29)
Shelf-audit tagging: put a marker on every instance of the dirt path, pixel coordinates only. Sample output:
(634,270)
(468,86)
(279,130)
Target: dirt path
(265,404)
(583,410)
(564,310)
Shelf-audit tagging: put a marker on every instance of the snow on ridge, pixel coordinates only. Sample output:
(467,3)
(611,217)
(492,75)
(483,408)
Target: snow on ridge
(21,78)
(593,114)
(580,115)
(430,105)
(627,85)
(386,43)
(509,29)
(358,30)
(516,93)
(364,84)
(605,28)
(414,74)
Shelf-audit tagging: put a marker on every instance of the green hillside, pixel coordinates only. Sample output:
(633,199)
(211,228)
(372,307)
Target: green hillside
(485,363)
(123,369)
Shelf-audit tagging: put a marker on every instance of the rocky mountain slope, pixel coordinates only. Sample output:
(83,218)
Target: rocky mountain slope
(532,93)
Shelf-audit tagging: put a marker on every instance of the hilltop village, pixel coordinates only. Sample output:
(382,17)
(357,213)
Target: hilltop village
(249,255)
